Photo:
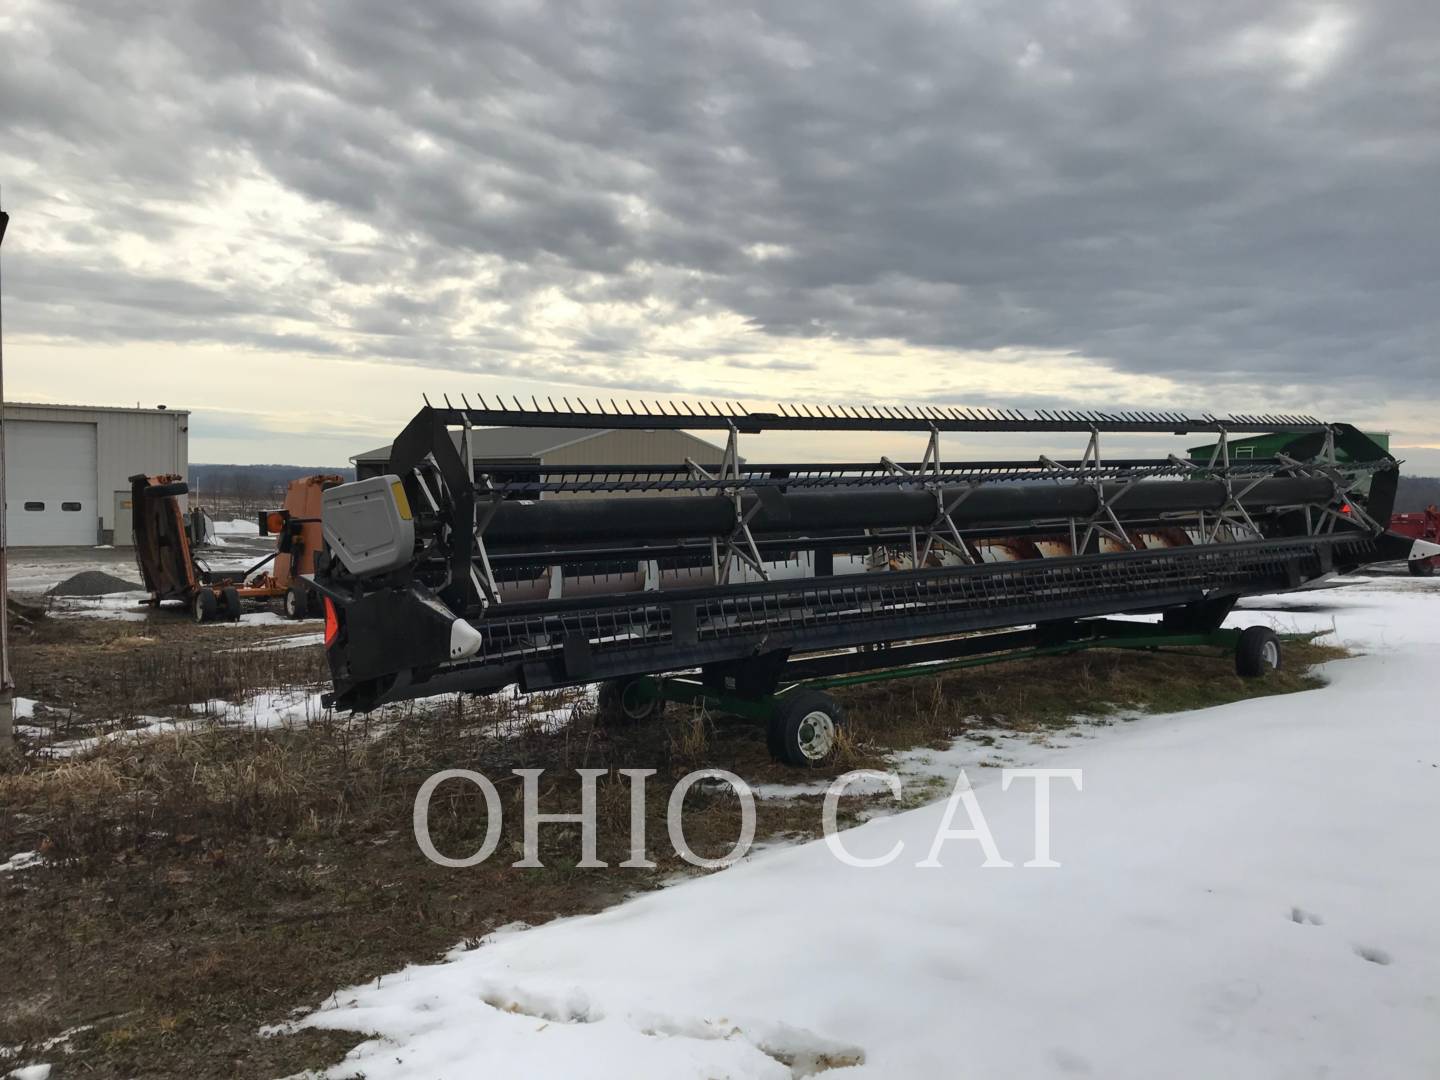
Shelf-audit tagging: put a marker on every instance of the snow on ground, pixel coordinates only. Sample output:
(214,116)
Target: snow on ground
(985,750)
(298,707)
(236,527)
(21,860)
(224,534)
(142,727)
(269,709)
(1245,891)
(291,641)
(42,1070)
(133,607)
(34,571)
(121,607)
(524,716)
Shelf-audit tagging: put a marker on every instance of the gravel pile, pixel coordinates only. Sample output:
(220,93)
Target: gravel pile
(94,583)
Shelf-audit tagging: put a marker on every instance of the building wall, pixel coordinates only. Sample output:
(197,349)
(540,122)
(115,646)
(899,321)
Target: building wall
(622,447)
(637,448)
(127,441)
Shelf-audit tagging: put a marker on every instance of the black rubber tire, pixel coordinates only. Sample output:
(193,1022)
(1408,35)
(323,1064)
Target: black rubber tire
(1257,653)
(802,732)
(205,607)
(1422,567)
(295,603)
(616,705)
(230,603)
(160,491)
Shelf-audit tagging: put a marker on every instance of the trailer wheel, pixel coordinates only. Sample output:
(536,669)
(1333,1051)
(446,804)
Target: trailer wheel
(161,491)
(1422,567)
(230,602)
(619,702)
(1257,653)
(295,602)
(803,730)
(204,607)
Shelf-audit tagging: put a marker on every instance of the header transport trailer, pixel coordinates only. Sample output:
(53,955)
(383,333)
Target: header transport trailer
(757,587)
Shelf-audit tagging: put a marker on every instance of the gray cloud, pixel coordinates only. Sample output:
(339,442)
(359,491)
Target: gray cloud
(1218,192)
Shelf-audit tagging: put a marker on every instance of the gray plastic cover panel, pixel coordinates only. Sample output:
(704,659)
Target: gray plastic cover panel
(367,527)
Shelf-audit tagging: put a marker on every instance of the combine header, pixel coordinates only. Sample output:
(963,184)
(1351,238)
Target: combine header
(766,584)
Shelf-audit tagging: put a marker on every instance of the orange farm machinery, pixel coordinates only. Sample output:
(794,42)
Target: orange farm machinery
(172,572)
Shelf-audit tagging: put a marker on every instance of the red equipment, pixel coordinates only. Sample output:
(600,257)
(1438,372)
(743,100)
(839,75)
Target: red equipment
(1421,526)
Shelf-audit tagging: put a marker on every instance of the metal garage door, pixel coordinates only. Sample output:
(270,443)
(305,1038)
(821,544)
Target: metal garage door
(50,483)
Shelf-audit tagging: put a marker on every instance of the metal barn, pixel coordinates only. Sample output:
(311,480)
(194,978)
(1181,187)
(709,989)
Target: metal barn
(67,469)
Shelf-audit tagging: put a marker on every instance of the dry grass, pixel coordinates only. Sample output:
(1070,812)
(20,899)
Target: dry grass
(688,731)
(1052,692)
(111,676)
(167,676)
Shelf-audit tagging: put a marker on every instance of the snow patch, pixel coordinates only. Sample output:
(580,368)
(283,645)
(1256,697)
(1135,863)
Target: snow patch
(21,860)
(120,607)
(236,527)
(270,709)
(145,727)
(291,641)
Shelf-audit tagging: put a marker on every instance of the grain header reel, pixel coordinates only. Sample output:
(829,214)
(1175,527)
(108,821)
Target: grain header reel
(765,583)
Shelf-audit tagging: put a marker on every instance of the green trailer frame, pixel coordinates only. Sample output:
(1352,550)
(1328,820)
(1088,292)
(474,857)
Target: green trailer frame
(793,711)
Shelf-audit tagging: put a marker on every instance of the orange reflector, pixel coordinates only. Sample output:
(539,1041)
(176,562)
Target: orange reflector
(275,521)
(1344,508)
(332,623)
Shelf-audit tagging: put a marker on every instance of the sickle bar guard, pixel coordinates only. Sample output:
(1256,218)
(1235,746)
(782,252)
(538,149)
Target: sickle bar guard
(444,577)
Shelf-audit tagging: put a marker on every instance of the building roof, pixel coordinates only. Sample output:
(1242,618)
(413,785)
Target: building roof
(506,443)
(159,410)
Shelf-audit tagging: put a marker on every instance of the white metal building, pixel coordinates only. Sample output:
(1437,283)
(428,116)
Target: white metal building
(68,469)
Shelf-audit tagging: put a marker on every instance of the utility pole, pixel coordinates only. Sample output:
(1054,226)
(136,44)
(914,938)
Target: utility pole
(7,685)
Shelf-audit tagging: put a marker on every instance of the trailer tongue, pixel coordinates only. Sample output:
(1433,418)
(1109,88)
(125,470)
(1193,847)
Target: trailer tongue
(442,576)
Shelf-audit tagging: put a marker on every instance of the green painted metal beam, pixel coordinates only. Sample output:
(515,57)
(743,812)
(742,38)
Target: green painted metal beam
(1113,635)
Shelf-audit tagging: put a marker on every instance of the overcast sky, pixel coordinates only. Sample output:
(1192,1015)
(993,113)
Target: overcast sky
(295,217)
